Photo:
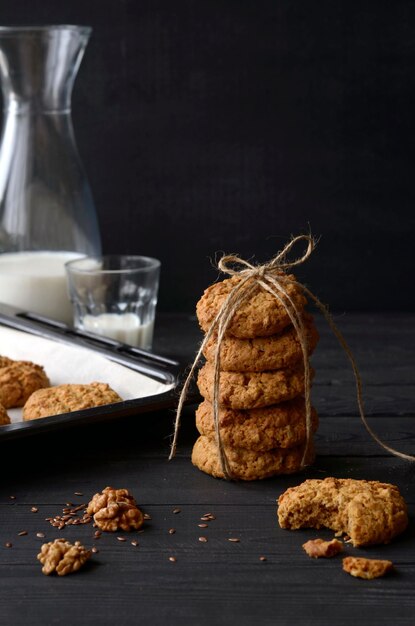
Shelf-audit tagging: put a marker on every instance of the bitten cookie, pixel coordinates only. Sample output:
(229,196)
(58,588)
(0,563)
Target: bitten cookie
(263,353)
(18,381)
(4,418)
(67,398)
(262,315)
(247,464)
(248,390)
(369,512)
(278,426)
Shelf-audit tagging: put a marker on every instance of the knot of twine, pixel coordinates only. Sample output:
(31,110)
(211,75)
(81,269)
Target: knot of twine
(271,277)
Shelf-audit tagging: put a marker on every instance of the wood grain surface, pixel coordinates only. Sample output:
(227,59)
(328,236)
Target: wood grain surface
(218,581)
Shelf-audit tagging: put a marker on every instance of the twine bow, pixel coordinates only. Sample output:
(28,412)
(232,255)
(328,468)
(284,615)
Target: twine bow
(271,277)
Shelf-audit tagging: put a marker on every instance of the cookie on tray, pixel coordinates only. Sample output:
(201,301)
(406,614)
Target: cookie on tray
(260,316)
(263,353)
(278,426)
(4,418)
(67,398)
(369,512)
(248,390)
(5,361)
(19,380)
(248,464)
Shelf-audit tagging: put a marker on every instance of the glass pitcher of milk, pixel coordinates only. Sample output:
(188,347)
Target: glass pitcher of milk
(47,214)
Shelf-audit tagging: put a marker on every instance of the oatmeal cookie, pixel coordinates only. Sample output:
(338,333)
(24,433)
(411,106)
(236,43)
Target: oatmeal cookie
(369,512)
(248,464)
(263,353)
(261,316)
(4,418)
(67,398)
(5,361)
(277,426)
(366,568)
(248,390)
(19,380)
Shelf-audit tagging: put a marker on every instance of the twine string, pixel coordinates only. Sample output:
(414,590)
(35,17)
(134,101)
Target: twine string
(272,278)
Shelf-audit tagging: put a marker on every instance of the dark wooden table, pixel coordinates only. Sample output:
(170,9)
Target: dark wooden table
(218,581)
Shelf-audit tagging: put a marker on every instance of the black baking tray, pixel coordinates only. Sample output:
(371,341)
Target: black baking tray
(163,369)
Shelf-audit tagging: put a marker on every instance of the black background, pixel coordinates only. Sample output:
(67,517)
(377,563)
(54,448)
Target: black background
(228,125)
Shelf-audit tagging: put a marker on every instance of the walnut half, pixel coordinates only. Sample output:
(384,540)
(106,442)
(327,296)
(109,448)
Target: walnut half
(115,509)
(62,557)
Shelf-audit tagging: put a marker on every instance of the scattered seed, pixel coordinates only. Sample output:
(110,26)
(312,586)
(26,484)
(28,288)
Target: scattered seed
(203,525)
(172,559)
(78,493)
(262,558)
(205,519)
(139,532)
(12,497)
(69,503)
(172,531)
(121,539)
(40,535)
(97,534)
(234,539)
(175,511)
(147,516)
(203,539)
(34,509)
(134,543)
(78,508)
(94,550)
(8,544)
(22,533)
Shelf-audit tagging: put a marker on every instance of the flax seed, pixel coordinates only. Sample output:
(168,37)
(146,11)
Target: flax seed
(12,497)
(22,533)
(34,509)
(69,503)
(94,550)
(121,539)
(203,525)
(203,539)
(147,516)
(97,534)
(175,511)
(234,539)
(172,531)
(78,493)
(78,508)
(40,535)
(134,543)
(8,544)
(172,559)
(262,558)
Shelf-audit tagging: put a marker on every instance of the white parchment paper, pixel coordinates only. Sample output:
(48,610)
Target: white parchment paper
(69,364)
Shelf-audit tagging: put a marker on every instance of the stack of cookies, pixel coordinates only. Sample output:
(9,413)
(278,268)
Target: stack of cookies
(262,416)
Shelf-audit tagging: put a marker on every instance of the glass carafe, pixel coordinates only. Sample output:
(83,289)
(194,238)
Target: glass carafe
(46,204)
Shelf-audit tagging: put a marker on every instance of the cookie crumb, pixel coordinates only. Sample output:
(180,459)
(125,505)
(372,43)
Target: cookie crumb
(317,548)
(366,568)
